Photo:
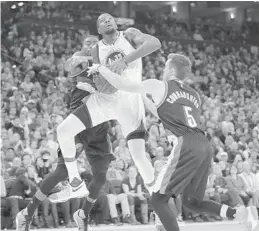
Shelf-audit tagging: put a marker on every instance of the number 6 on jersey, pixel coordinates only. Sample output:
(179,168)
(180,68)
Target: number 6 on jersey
(189,118)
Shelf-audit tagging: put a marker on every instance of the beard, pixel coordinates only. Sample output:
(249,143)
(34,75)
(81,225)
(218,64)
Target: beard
(110,31)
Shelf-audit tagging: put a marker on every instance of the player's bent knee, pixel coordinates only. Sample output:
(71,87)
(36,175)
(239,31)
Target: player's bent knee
(190,202)
(61,172)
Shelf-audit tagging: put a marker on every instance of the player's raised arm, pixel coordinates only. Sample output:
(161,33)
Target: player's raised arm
(145,44)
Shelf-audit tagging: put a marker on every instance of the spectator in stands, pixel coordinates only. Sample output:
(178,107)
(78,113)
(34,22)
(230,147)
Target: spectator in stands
(250,182)
(240,166)
(26,160)
(103,205)
(19,190)
(115,198)
(116,170)
(226,78)
(122,152)
(132,187)
(159,154)
(220,185)
(236,183)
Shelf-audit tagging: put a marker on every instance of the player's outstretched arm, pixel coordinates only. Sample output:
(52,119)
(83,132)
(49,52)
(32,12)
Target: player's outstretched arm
(145,44)
(119,81)
(154,87)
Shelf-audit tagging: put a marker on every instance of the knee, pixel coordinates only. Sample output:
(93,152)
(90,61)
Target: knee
(189,201)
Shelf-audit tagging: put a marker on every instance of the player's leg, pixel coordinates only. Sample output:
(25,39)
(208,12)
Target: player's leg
(76,122)
(198,148)
(24,217)
(132,119)
(161,206)
(96,111)
(136,144)
(99,168)
(99,156)
(193,199)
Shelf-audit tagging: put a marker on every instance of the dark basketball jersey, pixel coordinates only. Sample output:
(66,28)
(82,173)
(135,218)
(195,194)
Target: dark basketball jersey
(76,94)
(180,109)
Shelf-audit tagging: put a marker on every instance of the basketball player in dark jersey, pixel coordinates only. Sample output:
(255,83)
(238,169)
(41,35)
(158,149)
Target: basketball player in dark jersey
(186,169)
(94,141)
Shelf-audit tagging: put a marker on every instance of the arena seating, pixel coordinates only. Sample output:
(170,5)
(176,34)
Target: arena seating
(35,97)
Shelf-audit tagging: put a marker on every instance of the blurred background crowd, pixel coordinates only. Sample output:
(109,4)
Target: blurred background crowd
(37,39)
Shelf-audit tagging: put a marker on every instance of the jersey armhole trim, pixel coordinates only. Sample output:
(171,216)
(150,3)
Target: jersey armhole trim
(164,97)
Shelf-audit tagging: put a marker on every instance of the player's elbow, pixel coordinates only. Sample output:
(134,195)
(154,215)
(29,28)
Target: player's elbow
(156,43)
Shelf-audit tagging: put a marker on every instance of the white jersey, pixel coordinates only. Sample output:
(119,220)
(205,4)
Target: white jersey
(125,107)
(119,49)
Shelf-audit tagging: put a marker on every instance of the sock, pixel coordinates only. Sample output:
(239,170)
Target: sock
(33,205)
(73,173)
(88,205)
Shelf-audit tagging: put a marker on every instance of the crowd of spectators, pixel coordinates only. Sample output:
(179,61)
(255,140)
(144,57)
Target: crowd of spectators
(35,99)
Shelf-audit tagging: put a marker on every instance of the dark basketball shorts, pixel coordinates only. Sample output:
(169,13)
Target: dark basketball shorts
(139,133)
(187,167)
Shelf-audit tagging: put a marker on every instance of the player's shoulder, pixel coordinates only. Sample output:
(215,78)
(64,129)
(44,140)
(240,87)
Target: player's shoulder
(131,32)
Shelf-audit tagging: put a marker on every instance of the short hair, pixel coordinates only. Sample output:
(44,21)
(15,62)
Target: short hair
(98,19)
(182,63)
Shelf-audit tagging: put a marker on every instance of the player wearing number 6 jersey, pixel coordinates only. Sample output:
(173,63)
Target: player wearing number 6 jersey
(187,167)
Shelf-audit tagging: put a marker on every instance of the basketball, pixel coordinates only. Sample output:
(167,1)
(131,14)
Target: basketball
(102,85)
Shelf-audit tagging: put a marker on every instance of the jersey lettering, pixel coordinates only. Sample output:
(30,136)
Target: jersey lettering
(114,56)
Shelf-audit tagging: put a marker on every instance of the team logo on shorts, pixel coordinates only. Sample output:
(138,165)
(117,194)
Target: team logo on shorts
(114,56)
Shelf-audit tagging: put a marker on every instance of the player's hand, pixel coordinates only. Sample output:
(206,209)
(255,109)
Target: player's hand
(85,87)
(75,61)
(118,66)
(93,69)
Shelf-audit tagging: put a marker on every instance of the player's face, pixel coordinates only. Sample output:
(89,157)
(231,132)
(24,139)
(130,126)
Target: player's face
(168,71)
(106,24)
(88,44)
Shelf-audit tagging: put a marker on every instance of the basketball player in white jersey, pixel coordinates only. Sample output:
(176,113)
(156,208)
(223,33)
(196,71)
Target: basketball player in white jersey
(122,52)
